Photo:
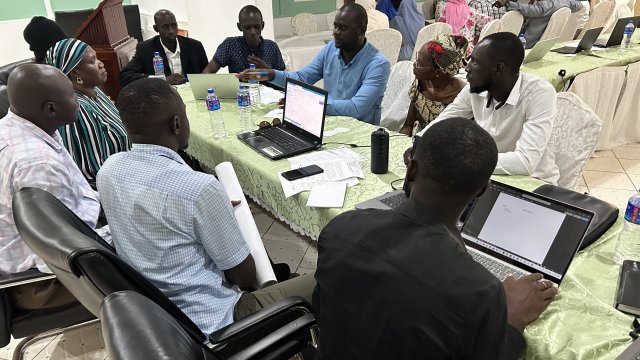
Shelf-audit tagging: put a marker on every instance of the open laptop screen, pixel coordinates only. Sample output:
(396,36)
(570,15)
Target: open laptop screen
(304,107)
(527,230)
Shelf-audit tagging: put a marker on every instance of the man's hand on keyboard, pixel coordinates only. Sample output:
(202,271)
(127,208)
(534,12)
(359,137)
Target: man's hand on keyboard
(527,297)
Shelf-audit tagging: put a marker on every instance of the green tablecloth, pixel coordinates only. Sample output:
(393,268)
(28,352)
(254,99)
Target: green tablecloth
(580,324)
(552,62)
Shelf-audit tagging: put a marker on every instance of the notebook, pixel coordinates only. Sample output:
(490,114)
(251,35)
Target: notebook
(539,50)
(585,43)
(302,123)
(224,85)
(510,230)
(615,38)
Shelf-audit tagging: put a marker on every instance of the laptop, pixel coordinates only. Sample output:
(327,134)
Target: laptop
(539,50)
(302,123)
(615,38)
(509,230)
(224,85)
(586,42)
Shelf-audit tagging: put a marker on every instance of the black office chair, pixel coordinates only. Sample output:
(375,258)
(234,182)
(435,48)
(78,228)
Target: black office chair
(90,269)
(134,327)
(70,21)
(29,323)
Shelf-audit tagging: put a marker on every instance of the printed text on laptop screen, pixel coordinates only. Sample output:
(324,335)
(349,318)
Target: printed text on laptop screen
(304,108)
(530,230)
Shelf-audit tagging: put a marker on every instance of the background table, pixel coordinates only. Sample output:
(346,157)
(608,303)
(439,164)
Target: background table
(580,324)
(549,66)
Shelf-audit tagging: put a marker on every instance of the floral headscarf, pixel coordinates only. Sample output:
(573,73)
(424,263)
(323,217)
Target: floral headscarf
(448,52)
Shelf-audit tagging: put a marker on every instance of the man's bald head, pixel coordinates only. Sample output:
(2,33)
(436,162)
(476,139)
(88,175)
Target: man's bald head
(43,95)
(153,113)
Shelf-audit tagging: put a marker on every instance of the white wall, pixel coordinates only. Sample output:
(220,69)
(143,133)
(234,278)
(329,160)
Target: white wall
(149,7)
(13,47)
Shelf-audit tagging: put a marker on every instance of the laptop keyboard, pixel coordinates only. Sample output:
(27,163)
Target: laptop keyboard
(498,269)
(284,139)
(394,200)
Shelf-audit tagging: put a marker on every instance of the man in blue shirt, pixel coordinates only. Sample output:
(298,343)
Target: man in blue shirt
(355,73)
(175,225)
(239,51)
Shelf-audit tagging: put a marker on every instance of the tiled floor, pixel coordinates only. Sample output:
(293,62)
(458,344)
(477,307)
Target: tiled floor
(611,175)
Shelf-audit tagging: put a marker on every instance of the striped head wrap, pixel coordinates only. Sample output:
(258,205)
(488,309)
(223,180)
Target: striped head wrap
(66,54)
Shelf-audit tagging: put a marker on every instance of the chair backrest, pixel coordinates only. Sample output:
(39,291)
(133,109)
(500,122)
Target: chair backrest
(85,264)
(620,11)
(600,13)
(556,24)
(4,101)
(388,41)
(491,28)
(429,32)
(395,102)
(304,23)
(571,27)
(330,18)
(575,134)
(600,89)
(132,19)
(134,327)
(512,22)
(70,21)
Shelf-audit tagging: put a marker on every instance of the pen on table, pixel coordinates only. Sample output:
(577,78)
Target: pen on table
(258,73)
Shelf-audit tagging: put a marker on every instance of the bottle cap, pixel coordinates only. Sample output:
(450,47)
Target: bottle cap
(252,66)
(155,53)
(210,91)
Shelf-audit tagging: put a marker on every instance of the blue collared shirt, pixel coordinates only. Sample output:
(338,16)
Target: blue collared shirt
(176,227)
(234,51)
(355,89)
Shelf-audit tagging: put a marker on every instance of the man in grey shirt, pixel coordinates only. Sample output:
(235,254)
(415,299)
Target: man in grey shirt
(537,14)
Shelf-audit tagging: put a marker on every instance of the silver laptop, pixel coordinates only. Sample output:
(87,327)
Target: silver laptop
(587,41)
(224,85)
(513,231)
(539,50)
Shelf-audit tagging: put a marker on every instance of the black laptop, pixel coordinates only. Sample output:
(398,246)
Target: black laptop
(302,125)
(586,42)
(615,38)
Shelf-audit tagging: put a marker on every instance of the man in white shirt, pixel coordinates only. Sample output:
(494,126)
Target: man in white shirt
(31,155)
(517,109)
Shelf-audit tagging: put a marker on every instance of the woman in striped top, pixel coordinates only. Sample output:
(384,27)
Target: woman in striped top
(98,132)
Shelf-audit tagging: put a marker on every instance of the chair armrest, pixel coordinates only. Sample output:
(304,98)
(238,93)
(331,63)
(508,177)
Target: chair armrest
(282,343)
(239,328)
(24,277)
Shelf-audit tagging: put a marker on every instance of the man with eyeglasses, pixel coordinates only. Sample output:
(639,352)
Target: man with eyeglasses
(181,55)
(238,52)
(354,72)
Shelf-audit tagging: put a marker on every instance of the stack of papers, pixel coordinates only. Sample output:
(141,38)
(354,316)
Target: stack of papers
(269,95)
(341,169)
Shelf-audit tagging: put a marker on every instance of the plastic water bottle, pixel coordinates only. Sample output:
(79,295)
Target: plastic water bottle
(158,65)
(254,90)
(628,246)
(626,38)
(244,106)
(215,115)
(523,40)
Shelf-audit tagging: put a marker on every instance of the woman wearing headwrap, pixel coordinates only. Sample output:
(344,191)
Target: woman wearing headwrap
(435,86)
(98,132)
(464,20)
(408,21)
(376,19)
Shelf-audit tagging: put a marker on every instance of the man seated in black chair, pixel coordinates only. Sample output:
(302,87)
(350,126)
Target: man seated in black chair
(31,155)
(237,52)
(399,284)
(181,55)
(175,225)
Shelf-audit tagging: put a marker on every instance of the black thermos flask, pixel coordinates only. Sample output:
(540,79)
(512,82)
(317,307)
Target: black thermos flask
(379,151)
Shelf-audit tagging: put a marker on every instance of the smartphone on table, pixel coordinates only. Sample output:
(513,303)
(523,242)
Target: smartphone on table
(302,172)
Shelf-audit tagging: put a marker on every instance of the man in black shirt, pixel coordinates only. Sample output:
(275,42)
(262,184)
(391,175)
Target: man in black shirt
(399,284)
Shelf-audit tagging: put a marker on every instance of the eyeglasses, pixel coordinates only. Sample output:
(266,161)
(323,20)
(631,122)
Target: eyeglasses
(265,123)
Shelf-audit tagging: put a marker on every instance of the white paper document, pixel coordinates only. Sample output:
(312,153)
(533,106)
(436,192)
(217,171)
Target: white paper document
(291,188)
(325,155)
(275,113)
(248,228)
(327,195)
(269,95)
(336,131)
